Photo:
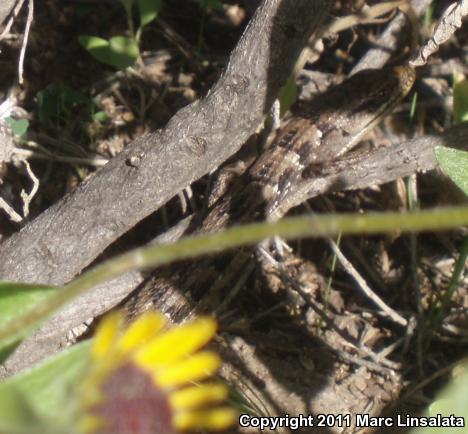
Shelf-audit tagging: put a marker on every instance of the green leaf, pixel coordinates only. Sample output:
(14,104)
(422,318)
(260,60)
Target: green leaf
(100,116)
(125,51)
(16,299)
(454,163)
(119,52)
(452,400)
(149,10)
(288,95)
(58,103)
(460,98)
(17,414)
(42,399)
(93,43)
(18,126)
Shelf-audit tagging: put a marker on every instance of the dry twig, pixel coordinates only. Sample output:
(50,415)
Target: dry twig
(448,24)
(389,312)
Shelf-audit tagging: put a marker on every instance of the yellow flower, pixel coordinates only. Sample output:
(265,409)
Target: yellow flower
(144,379)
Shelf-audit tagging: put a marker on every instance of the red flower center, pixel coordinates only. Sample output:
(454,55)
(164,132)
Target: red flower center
(133,404)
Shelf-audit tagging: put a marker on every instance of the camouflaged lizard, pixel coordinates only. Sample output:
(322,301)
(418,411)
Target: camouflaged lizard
(317,133)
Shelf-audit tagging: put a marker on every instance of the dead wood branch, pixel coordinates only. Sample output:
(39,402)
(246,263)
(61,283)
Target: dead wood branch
(383,165)
(68,236)
(384,47)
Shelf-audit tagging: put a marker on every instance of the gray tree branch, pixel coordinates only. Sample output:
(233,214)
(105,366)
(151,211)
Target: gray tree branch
(59,243)
(384,165)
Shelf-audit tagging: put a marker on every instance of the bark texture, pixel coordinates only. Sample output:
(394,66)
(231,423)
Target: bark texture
(64,239)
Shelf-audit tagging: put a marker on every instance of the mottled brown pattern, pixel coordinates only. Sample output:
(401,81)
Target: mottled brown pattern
(319,131)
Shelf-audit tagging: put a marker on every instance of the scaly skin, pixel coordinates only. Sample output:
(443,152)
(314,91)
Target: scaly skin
(318,132)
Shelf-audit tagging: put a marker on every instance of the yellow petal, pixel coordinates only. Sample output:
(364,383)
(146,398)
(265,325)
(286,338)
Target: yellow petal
(197,396)
(195,368)
(176,343)
(215,419)
(106,335)
(141,331)
(90,424)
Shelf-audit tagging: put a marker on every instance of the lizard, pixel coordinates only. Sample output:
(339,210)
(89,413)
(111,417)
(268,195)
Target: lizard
(317,134)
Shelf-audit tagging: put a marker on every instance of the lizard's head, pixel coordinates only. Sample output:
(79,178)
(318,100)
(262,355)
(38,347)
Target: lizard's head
(350,110)
(378,91)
